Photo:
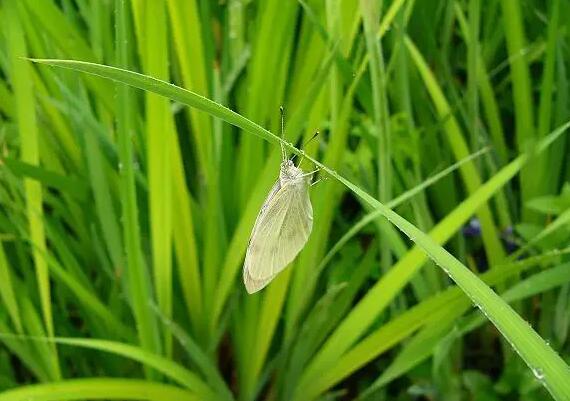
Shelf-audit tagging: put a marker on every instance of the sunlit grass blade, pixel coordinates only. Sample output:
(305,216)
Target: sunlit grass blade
(176,372)
(423,344)
(430,311)
(99,389)
(30,153)
(159,135)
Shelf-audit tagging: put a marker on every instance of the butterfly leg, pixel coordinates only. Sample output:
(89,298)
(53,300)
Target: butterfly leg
(311,172)
(319,180)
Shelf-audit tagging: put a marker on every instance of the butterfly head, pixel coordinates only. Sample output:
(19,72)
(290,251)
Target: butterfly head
(289,171)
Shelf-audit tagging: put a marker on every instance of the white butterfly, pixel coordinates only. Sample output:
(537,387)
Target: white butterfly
(282,227)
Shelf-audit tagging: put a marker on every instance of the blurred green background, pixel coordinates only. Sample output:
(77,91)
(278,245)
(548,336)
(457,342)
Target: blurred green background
(125,215)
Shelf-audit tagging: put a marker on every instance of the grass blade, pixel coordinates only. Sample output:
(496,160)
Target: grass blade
(99,389)
(30,153)
(139,288)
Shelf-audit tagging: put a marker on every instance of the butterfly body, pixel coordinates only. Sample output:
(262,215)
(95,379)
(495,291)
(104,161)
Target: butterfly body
(281,229)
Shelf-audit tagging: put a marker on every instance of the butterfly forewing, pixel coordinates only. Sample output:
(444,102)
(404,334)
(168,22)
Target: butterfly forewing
(281,230)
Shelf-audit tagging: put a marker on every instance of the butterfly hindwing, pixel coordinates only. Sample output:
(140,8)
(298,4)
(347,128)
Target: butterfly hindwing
(281,230)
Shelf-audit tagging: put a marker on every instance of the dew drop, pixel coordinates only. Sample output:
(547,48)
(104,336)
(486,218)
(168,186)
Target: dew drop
(538,373)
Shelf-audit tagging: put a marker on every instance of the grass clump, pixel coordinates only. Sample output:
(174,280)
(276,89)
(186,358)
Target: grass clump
(134,162)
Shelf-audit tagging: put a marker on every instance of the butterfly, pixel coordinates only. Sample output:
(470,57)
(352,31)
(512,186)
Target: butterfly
(282,227)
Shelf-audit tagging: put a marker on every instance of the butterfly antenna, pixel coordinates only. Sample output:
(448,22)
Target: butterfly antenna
(283,151)
(308,141)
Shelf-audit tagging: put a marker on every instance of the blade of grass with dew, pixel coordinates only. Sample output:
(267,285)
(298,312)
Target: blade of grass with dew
(30,153)
(139,290)
(385,289)
(424,343)
(424,313)
(99,389)
(554,373)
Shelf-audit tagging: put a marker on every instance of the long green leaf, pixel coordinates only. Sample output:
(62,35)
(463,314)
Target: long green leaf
(99,389)
(30,153)
(176,372)
(140,292)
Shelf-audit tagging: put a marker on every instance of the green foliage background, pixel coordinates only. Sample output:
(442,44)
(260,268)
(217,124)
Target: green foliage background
(129,187)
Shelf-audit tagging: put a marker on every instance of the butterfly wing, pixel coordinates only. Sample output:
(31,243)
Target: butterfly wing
(281,230)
